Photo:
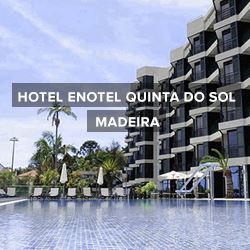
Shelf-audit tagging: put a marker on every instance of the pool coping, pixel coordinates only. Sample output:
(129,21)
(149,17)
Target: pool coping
(12,202)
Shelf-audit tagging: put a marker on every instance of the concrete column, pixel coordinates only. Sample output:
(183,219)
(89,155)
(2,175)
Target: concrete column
(245,181)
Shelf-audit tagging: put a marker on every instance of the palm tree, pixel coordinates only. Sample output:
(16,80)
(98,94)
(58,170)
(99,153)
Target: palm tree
(223,161)
(53,113)
(44,157)
(111,170)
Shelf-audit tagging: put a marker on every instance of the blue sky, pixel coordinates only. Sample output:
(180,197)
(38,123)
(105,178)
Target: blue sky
(80,41)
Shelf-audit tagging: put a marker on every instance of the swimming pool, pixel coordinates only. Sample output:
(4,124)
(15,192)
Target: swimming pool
(142,224)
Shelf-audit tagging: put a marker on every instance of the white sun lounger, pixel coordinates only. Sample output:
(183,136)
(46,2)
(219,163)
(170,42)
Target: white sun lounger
(38,192)
(119,192)
(54,193)
(11,192)
(71,193)
(105,193)
(2,193)
(87,193)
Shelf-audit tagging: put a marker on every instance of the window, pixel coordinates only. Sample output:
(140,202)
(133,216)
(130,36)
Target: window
(199,126)
(164,146)
(197,45)
(197,71)
(141,151)
(200,152)
(232,143)
(225,9)
(180,68)
(164,126)
(177,114)
(228,72)
(178,89)
(179,161)
(230,110)
(178,138)
(227,40)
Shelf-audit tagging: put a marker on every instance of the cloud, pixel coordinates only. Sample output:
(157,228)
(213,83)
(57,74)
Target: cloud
(176,4)
(75,46)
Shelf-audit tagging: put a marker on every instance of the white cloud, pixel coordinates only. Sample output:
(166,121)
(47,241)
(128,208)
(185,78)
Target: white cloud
(50,66)
(183,4)
(74,45)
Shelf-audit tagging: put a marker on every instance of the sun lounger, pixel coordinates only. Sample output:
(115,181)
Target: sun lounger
(38,193)
(87,193)
(54,193)
(11,192)
(119,192)
(105,193)
(71,193)
(2,193)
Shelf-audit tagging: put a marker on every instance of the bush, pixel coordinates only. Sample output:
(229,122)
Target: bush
(76,180)
(50,177)
(148,188)
(7,179)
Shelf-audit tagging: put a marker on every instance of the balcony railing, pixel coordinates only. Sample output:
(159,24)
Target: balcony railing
(199,132)
(233,150)
(229,115)
(232,78)
(178,119)
(178,143)
(199,75)
(196,49)
(164,131)
(226,13)
(164,151)
(227,45)
(163,111)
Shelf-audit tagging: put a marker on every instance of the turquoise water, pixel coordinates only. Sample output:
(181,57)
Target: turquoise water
(148,224)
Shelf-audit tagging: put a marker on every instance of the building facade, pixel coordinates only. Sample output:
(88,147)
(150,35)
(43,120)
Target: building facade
(215,58)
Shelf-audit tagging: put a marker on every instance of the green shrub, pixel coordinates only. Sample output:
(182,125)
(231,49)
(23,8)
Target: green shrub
(7,179)
(148,188)
(49,178)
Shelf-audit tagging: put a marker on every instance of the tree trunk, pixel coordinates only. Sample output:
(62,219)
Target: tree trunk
(56,140)
(230,191)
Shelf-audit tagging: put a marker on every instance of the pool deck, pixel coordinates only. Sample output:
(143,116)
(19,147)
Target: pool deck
(8,201)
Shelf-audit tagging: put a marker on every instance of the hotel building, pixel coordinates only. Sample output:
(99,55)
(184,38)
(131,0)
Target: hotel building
(216,58)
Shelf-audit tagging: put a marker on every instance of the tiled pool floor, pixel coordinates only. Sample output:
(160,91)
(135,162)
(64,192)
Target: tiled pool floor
(125,225)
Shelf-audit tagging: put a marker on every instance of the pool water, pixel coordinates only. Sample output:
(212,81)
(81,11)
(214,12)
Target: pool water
(141,224)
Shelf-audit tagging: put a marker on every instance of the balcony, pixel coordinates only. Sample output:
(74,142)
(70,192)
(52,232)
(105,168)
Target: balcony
(196,49)
(199,75)
(227,45)
(178,143)
(164,131)
(163,111)
(177,119)
(131,145)
(131,161)
(232,78)
(233,151)
(164,151)
(229,115)
(199,132)
(226,13)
